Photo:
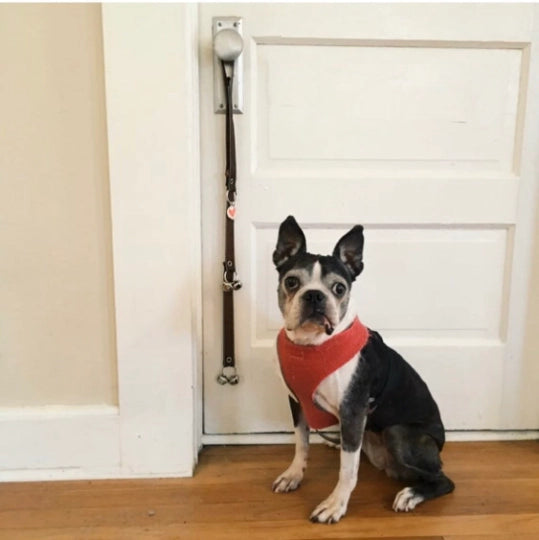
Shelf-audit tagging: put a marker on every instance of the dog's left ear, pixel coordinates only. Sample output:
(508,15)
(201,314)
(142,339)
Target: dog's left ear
(349,250)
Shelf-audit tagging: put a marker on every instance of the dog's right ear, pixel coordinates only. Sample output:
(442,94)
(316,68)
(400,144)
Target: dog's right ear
(290,242)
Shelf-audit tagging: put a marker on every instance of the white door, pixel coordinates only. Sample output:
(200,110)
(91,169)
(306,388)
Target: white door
(417,121)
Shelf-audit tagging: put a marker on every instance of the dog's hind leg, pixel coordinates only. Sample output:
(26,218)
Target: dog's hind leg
(290,479)
(375,449)
(416,459)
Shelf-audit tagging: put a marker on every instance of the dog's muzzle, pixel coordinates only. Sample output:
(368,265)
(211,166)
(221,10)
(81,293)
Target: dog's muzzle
(314,309)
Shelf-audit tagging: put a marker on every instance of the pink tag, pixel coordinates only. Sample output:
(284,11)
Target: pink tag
(231,212)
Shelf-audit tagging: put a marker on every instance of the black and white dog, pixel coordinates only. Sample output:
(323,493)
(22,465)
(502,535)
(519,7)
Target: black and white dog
(338,371)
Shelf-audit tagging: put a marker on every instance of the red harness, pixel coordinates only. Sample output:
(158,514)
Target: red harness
(304,367)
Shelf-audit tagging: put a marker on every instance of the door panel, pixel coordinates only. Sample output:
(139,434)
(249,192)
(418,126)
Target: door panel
(430,109)
(409,120)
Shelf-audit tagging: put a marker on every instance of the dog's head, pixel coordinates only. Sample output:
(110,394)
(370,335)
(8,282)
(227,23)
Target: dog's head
(314,290)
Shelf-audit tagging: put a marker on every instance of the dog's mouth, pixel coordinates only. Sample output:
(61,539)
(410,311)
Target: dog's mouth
(321,320)
(328,326)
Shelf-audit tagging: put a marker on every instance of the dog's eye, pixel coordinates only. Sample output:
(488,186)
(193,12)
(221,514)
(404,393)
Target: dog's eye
(291,283)
(338,289)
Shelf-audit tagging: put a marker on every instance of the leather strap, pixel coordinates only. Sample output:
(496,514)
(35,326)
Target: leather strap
(230,281)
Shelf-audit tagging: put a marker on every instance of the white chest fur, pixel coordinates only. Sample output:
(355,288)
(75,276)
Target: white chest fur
(332,389)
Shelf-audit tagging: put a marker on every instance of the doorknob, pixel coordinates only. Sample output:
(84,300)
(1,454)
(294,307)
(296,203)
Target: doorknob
(228,44)
(227,48)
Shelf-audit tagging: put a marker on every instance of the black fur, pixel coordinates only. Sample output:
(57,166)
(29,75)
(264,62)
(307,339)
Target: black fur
(403,411)
(295,409)
(400,394)
(353,413)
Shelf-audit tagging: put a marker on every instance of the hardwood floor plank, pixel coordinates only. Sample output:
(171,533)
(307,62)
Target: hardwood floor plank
(146,533)
(402,527)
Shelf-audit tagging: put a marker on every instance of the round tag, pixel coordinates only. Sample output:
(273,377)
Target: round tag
(231,212)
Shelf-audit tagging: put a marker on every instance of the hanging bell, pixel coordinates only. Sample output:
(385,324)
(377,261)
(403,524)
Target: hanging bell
(236,285)
(228,375)
(222,379)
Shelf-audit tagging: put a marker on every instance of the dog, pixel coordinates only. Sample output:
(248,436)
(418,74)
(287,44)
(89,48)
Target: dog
(338,371)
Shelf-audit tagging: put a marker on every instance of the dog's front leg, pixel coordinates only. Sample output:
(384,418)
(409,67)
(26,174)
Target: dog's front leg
(292,477)
(353,421)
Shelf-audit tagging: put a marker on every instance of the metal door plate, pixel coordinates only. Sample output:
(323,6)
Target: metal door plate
(221,23)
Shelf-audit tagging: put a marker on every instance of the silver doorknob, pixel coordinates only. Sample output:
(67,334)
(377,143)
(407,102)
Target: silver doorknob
(228,44)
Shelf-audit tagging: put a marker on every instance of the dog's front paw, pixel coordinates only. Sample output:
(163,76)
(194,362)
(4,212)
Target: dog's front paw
(331,510)
(288,481)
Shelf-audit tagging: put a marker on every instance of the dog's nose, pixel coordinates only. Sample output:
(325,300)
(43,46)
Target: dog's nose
(314,297)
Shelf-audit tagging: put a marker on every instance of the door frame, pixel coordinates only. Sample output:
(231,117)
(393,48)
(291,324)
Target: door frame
(154,158)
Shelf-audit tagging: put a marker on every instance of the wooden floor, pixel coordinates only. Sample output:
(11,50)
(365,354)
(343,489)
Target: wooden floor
(497,498)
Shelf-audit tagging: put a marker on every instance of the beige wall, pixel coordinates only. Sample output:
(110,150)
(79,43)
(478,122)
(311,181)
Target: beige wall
(56,293)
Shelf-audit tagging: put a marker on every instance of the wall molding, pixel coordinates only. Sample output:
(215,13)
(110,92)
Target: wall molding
(152,118)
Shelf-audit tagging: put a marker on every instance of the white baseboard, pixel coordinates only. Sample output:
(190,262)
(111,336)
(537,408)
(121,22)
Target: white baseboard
(60,442)
(66,443)
(288,438)
(60,475)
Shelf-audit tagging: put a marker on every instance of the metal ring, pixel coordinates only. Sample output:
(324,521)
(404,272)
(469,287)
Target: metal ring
(228,285)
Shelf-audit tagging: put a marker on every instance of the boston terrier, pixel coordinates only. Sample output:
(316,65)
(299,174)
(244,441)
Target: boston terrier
(338,371)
